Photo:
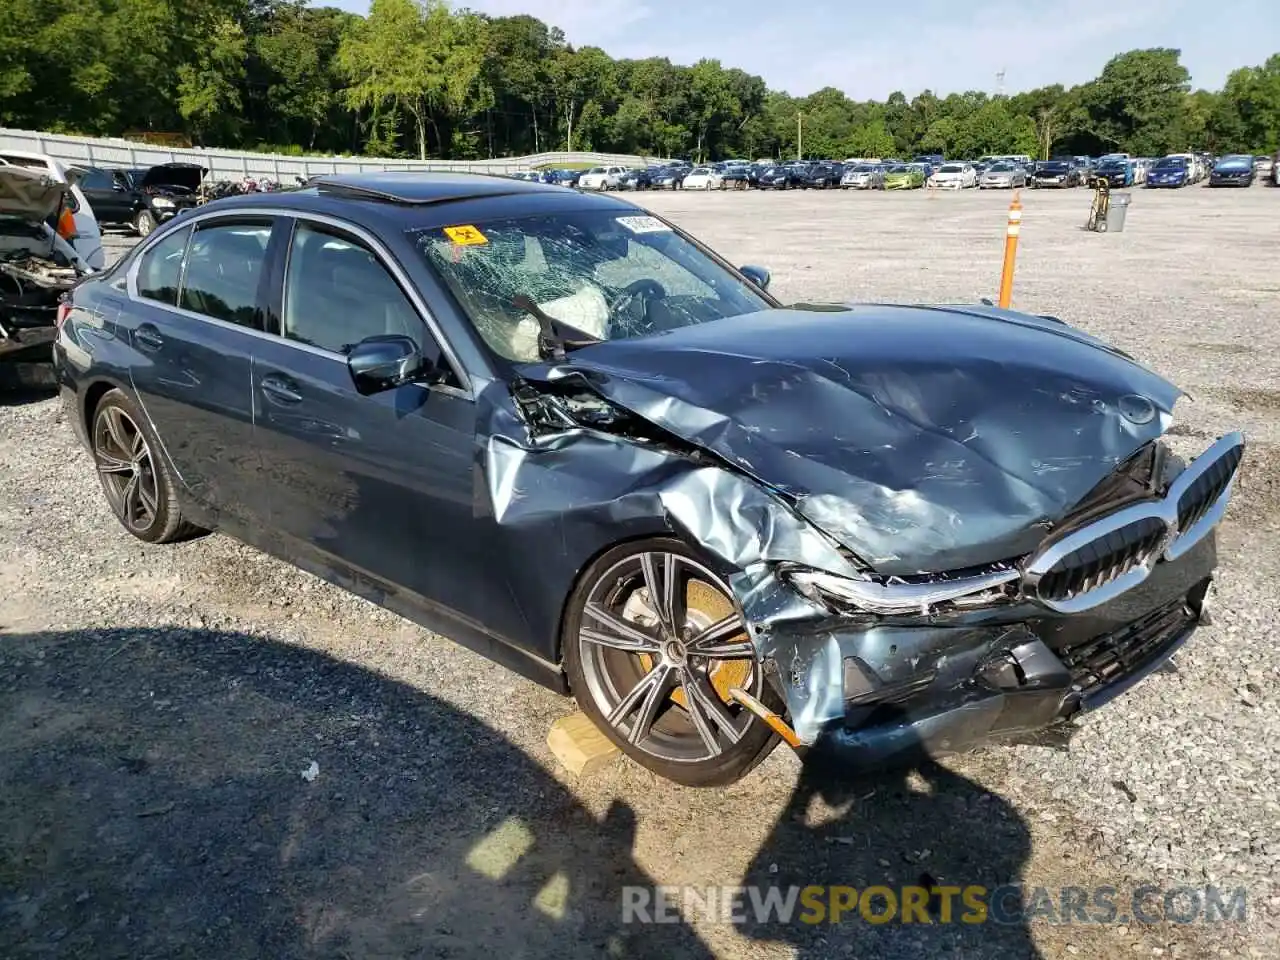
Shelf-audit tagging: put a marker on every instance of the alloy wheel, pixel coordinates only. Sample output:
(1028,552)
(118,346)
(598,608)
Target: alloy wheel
(126,468)
(662,644)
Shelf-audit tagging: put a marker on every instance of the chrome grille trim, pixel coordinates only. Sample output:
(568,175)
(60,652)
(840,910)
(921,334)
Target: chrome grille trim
(1223,456)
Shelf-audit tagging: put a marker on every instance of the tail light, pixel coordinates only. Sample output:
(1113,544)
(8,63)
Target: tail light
(64,311)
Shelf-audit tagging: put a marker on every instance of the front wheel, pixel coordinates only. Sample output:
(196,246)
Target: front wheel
(144,223)
(653,644)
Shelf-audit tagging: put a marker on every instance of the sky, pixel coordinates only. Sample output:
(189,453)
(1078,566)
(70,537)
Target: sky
(869,48)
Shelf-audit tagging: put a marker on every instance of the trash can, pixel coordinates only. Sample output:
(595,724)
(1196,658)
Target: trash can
(1116,211)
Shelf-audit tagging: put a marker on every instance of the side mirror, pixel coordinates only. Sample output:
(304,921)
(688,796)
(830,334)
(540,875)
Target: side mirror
(757,275)
(380,363)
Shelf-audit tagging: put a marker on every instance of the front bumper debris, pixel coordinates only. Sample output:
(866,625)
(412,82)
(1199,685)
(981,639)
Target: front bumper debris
(875,695)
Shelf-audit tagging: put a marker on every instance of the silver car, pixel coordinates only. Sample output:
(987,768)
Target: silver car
(863,176)
(1003,175)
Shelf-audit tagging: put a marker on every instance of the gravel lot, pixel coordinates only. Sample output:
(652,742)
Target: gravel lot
(159,705)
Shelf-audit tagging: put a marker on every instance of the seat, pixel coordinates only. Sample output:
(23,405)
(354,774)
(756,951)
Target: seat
(338,295)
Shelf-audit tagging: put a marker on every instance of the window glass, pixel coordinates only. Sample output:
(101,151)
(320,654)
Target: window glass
(96,180)
(161,268)
(224,265)
(609,276)
(337,293)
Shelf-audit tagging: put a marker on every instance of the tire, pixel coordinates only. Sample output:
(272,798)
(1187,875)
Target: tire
(144,223)
(647,681)
(135,481)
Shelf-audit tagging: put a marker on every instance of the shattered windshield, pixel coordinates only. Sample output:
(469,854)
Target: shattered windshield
(607,273)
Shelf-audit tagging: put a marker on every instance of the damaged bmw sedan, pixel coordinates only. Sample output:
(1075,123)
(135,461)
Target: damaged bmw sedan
(555,428)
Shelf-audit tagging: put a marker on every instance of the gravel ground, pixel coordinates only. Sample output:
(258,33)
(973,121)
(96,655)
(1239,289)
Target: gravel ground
(159,706)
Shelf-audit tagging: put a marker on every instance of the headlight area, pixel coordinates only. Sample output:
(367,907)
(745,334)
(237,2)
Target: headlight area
(896,596)
(889,669)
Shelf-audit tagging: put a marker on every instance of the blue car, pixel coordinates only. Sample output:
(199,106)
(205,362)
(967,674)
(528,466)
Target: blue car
(1169,172)
(484,404)
(1236,170)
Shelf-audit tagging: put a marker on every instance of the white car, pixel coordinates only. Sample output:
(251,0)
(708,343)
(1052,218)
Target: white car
(88,237)
(955,176)
(702,178)
(601,178)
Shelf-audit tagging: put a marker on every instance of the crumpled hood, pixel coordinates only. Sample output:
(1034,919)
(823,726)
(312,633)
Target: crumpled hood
(29,194)
(924,439)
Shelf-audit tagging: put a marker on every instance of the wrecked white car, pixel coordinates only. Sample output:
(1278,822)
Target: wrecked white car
(37,267)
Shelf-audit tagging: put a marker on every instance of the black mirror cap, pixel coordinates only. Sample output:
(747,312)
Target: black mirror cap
(381,363)
(757,275)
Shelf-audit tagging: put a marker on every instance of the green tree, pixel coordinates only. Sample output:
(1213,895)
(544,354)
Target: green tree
(1137,103)
(209,87)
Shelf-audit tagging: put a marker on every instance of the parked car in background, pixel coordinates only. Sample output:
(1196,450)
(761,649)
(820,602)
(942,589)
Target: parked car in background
(739,176)
(781,177)
(602,178)
(564,178)
(863,176)
(1172,171)
(1056,173)
(1233,170)
(87,235)
(1116,171)
(822,176)
(1003,175)
(143,198)
(1263,166)
(37,266)
(1275,170)
(954,176)
(702,178)
(903,176)
(637,178)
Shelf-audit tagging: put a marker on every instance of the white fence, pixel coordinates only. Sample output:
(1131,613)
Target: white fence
(233,165)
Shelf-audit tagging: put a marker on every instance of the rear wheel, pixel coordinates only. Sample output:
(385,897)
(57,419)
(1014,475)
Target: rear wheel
(653,644)
(137,484)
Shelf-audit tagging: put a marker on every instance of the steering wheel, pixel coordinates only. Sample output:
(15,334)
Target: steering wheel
(646,289)
(639,293)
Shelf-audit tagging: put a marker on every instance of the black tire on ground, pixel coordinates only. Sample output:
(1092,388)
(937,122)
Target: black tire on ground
(736,759)
(135,480)
(144,223)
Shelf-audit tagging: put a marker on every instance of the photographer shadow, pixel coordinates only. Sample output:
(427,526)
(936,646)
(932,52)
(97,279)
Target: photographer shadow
(194,793)
(918,861)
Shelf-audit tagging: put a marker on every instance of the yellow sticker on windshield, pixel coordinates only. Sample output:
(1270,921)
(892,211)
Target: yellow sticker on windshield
(465,236)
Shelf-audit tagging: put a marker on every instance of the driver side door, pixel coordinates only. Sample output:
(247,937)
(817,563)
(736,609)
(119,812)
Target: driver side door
(373,492)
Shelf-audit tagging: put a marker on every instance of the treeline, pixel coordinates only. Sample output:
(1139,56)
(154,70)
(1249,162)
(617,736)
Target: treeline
(415,78)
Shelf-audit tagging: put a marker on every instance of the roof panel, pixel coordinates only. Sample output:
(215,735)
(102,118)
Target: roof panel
(413,187)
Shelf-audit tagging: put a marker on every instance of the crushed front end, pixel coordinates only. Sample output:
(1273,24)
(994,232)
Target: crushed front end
(882,669)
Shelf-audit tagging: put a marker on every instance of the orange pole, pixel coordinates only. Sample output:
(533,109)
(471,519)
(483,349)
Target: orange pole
(1010,251)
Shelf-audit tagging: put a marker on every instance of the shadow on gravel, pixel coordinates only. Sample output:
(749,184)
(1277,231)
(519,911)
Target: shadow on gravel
(153,806)
(927,828)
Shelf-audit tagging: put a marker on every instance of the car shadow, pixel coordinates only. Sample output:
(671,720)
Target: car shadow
(189,793)
(925,827)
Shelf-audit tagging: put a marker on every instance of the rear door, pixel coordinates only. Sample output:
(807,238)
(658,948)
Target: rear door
(377,486)
(195,319)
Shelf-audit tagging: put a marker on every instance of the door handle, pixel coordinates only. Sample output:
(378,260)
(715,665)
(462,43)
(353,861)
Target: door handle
(281,388)
(147,338)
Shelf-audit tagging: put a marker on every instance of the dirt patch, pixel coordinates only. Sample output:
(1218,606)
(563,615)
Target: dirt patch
(1231,349)
(1248,398)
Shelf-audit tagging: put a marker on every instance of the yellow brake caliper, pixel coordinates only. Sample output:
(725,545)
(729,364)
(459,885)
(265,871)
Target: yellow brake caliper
(707,605)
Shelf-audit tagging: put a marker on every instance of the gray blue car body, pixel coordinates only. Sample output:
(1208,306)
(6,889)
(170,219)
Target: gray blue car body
(939,525)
